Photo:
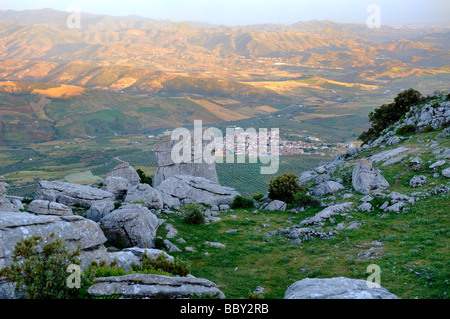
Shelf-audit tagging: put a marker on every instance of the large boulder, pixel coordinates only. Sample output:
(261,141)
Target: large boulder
(151,197)
(275,205)
(328,187)
(366,179)
(132,225)
(71,194)
(100,209)
(125,171)
(45,207)
(196,167)
(154,286)
(74,230)
(335,288)
(182,188)
(5,204)
(116,185)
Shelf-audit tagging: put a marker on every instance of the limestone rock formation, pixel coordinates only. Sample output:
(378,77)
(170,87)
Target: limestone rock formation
(182,188)
(275,205)
(45,207)
(366,179)
(132,224)
(74,230)
(328,187)
(335,288)
(71,194)
(151,197)
(154,286)
(5,204)
(100,209)
(197,167)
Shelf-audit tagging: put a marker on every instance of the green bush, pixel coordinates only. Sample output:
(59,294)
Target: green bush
(257,197)
(284,187)
(387,114)
(193,213)
(242,202)
(303,200)
(144,178)
(40,269)
(407,129)
(428,129)
(177,266)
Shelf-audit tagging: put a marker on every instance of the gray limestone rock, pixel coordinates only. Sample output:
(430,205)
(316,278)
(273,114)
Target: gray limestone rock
(366,179)
(45,207)
(71,194)
(418,181)
(151,197)
(328,187)
(276,205)
(154,286)
(335,288)
(133,224)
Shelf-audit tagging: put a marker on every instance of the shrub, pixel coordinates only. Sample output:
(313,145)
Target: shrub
(258,196)
(387,114)
(177,266)
(193,213)
(144,178)
(242,202)
(407,129)
(303,200)
(428,129)
(40,271)
(284,187)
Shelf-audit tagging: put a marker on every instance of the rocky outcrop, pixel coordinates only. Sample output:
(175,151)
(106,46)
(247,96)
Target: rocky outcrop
(328,187)
(335,288)
(71,194)
(327,213)
(74,230)
(132,225)
(120,179)
(366,179)
(418,181)
(154,286)
(179,189)
(5,204)
(100,209)
(275,205)
(150,197)
(45,207)
(196,167)
(125,171)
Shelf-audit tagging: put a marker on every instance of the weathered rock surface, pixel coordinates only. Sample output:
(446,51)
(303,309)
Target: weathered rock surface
(329,187)
(382,156)
(366,179)
(327,213)
(446,172)
(179,189)
(71,194)
(5,204)
(133,224)
(125,171)
(151,197)
(128,256)
(335,288)
(45,207)
(365,207)
(196,167)
(100,209)
(418,181)
(74,230)
(154,286)
(116,185)
(275,205)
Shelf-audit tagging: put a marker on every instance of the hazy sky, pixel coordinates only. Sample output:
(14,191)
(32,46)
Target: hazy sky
(241,12)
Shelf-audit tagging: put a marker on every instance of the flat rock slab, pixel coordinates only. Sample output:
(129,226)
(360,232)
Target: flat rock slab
(335,288)
(71,194)
(154,286)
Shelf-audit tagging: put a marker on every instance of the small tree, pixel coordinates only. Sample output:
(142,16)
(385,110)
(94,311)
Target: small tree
(40,271)
(284,187)
(144,178)
(193,213)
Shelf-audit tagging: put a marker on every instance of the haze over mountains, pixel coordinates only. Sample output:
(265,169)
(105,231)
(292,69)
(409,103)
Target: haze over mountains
(168,73)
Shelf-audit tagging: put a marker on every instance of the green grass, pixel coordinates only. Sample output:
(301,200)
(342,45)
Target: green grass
(414,242)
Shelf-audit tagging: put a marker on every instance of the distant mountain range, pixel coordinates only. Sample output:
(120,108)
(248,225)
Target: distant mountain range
(256,67)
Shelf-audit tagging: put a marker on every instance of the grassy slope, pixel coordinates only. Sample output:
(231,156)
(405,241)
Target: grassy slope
(413,259)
